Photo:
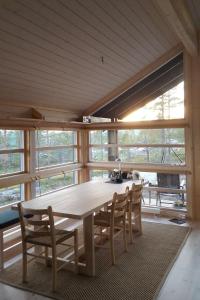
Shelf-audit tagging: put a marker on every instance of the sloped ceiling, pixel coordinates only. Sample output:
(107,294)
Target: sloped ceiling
(194,8)
(67,54)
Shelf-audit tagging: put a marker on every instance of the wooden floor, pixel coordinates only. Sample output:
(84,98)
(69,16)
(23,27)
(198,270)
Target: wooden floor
(182,283)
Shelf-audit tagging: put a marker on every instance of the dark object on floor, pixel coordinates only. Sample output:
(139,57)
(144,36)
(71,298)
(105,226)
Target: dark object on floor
(177,221)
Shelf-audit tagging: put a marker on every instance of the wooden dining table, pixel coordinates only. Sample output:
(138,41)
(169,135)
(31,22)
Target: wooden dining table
(80,202)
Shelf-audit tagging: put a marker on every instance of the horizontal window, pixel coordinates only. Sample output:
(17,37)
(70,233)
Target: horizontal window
(98,174)
(53,183)
(55,157)
(11,151)
(10,195)
(172,156)
(55,147)
(51,138)
(98,154)
(11,163)
(11,139)
(151,136)
(98,137)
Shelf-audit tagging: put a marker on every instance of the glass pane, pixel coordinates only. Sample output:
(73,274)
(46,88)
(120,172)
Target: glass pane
(56,157)
(11,194)
(151,136)
(98,137)
(152,197)
(98,174)
(173,156)
(11,139)
(50,138)
(98,154)
(170,105)
(53,183)
(11,163)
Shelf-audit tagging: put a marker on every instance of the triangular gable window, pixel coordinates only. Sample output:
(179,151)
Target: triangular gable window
(169,105)
(152,86)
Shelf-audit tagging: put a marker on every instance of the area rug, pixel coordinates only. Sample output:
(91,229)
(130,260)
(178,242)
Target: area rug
(138,273)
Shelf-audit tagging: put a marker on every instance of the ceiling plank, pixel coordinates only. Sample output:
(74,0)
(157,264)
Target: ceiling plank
(180,19)
(133,80)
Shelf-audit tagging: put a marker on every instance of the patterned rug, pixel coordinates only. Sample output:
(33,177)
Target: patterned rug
(138,273)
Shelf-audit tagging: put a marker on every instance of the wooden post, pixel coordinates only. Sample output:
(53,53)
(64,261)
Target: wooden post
(32,163)
(83,154)
(192,96)
(27,185)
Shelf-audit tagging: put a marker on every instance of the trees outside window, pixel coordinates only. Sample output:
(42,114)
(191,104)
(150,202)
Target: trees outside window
(11,151)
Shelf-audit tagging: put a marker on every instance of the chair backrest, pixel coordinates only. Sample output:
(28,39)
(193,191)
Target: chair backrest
(136,193)
(168,180)
(119,204)
(41,224)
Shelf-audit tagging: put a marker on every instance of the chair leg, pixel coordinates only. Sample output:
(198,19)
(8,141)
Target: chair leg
(112,245)
(24,259)
(46,256)
(149,198)
(54,269)
(1,251)
(140,221)
(101,234)
(76,250)
(130,225)
(124,234)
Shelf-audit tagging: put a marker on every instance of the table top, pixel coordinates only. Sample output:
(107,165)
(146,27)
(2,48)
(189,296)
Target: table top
(79,201)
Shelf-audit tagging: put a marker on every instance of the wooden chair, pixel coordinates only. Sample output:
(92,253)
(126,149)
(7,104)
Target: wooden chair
(114,218)
(42,232)
(134,210)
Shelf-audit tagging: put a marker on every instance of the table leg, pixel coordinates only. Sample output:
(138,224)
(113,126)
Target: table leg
(88,231)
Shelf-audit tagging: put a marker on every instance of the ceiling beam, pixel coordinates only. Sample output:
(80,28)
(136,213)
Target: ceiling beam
(134,79)
(179,17)
(36,114)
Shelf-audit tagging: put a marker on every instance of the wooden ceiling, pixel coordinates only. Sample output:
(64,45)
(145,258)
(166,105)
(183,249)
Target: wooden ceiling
(194,7)
(68,54)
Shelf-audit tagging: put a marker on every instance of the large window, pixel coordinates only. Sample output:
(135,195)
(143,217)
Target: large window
(170,105)
(54,147)
(10,195)
(56,182)
(140,146)
(98,137)
(99,174)
(11,151)
(102,145)
(157,146)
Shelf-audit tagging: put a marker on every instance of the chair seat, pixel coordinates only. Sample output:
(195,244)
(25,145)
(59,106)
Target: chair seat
(60,236)
(103,218)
